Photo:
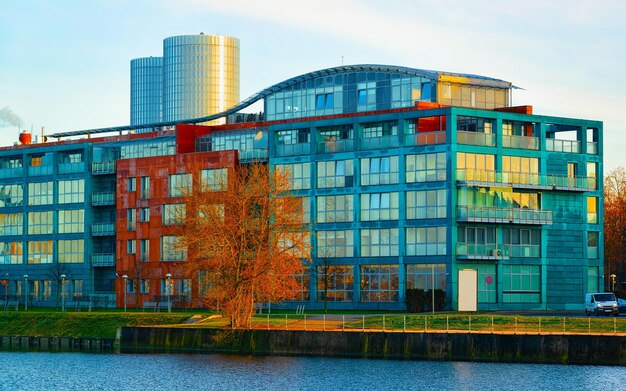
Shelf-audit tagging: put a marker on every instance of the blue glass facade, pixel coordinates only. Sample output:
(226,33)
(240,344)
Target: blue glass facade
(146,81)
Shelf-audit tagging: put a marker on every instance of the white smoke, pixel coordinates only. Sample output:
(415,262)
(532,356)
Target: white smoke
(9,118)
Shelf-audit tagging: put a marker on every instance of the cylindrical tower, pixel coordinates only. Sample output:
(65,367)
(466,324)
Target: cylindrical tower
(146,81)
(200,75)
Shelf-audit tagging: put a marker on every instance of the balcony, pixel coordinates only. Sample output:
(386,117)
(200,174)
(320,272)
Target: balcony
(425,138)
(503,215)
(334,146)
(293,149)
(39,170)
(521,142)
(491,251)
(592,148)
(71,168)
(102,168)
(12,172)
(529,181)
(379,142)
(476,138)
(103,260)
(103,229)
(103,199)
(253,155)
(568,146)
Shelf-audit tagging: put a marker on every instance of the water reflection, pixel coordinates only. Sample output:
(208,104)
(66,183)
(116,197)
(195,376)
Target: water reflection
(78,371)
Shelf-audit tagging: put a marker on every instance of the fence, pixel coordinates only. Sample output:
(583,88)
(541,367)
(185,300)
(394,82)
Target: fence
(441,323)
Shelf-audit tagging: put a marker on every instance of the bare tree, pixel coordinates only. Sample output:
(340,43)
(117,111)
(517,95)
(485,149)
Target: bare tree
(615,222)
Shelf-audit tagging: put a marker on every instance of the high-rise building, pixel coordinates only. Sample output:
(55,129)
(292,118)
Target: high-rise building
(197,76)
(146,91)
(408,177)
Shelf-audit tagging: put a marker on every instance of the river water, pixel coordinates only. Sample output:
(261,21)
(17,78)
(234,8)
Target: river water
(81,371)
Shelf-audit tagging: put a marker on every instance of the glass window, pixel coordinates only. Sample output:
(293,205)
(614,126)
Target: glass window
(145,187)
(475,162)
(426,204)
(379,242)
(144,286)
(171,249)
(379,206)
(72,191)
(131,219)
(174,214)
(592,174)
(335,283)
(332,244)
(592,245)
(71,251)
(40,193)
(131,184)
(131,247)
(40,252)
(521,284)
(77,288)
(144,249)
(379,283)
(422,276)
(303,292)
(214,179)
(11,224)
(335,173)
(487,293)
(40,223)
(426,241)
(71,221)
(592,210)
(592,279)
(11,195)
(333,209)
(427,167)
(180,184)
(300,174)
(379,170)
(11,253)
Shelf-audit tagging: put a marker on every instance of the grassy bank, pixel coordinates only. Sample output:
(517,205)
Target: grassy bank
(80,324)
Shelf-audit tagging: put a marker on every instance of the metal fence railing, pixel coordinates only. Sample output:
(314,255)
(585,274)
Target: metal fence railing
(496,324)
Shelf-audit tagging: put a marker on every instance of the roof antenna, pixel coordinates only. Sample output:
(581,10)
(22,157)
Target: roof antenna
(341,60)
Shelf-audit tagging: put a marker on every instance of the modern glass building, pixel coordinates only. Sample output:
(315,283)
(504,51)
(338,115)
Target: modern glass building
(407,176)
(146,92)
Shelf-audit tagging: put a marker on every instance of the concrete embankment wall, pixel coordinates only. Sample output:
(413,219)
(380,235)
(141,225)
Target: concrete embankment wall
(549,349)
(57,344)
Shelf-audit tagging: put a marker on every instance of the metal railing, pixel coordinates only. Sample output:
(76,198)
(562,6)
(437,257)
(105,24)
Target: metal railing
(561,182)
(479,324)
(101,199)
(332,146)
(103,259)
(102,229)
(293,149)
(379,142)
(485,214)
(71,168)
(522,142)
(476,138)
(496,251)
(100,168)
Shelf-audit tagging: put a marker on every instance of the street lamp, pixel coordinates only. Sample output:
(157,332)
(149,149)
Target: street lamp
(169,292)
(613,277)
(63,291)
(125,277)
(26,292)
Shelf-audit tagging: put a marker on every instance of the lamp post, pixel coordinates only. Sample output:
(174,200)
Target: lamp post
(169,292)
(125,277)
(25,292)
(62,292)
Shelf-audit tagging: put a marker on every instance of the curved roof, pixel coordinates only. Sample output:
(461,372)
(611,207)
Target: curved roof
(434,75)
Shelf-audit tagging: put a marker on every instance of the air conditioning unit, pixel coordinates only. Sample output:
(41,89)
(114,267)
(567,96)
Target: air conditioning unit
(496,252)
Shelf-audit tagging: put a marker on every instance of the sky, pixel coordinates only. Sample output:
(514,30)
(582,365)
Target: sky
(65,65)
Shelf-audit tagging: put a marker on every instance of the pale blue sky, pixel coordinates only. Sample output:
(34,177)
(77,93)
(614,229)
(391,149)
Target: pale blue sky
(65,64)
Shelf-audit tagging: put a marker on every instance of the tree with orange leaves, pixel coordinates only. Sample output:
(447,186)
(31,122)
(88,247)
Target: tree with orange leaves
(246,239)
(615,223)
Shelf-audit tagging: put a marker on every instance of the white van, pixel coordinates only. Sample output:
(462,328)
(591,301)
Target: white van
(601,303)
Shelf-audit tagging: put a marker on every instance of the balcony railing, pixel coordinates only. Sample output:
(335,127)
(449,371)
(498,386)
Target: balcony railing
(71,168)
(497,251)
(592,148)
(521,142)
(332,146)
(476,138)
(39,170)
(379,142)
(101,168)
(12,172)
(103,260)
(103,229)
(103,199)
(483,214)
(516,179)
(555,145)
(293,149)
(425,138)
